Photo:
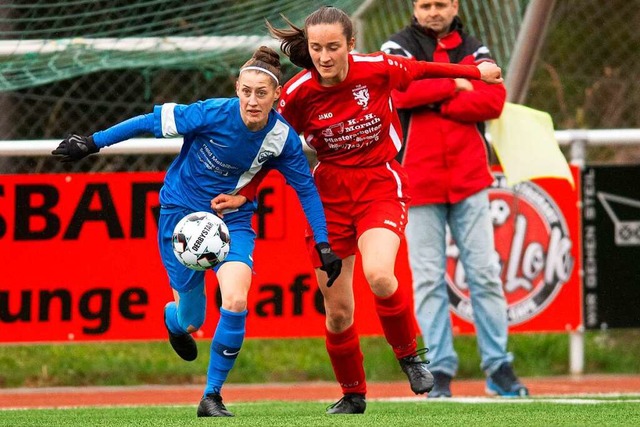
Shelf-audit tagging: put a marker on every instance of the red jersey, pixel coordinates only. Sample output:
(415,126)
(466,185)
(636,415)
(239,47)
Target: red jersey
(354,123)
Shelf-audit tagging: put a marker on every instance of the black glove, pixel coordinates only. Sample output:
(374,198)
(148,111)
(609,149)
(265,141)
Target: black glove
(331,264)
(75,147)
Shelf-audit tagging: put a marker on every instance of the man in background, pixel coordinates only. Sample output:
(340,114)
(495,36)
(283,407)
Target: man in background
(446,157)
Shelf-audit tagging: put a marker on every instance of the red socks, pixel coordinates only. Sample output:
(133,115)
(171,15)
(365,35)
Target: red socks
(398,324)
(347,360)
(396,317)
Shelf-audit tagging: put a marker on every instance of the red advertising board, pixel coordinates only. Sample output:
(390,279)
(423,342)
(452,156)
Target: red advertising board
(538,240)
(79,262)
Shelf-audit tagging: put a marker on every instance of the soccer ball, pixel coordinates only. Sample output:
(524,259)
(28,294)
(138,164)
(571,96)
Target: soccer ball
(201,241)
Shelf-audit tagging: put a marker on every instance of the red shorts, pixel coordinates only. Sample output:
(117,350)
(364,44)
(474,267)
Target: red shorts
(358,199)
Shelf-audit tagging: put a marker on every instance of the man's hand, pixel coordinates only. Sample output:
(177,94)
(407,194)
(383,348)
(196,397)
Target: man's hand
(490,72)
(463,85)
(75,147)
(223,202)
(331,264)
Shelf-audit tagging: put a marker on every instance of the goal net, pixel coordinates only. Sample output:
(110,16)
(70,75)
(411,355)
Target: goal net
(44,40)
(83,65)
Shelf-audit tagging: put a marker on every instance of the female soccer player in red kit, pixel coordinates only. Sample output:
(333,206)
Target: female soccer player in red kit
(341,102)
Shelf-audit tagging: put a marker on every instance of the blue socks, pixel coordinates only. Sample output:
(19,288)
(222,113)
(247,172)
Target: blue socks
(225,347)
(227,339)
(192,310)
(171,319)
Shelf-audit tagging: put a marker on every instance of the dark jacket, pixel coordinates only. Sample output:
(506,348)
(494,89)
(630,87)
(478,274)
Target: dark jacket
(445,153)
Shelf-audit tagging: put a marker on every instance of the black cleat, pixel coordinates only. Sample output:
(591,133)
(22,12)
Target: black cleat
(183,344)
(350,403)
(415,368)
(442,385)
(504,382)
(211,406)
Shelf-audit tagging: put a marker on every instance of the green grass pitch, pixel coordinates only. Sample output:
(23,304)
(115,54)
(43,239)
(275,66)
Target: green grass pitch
(590,411)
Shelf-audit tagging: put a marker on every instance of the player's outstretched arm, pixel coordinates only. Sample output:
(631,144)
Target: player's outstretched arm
(75,147)
(402,68)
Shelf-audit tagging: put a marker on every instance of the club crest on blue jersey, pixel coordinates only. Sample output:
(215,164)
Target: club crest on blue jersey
(263,156)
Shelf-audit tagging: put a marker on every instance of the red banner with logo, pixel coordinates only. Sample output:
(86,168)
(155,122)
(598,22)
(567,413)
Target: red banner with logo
(537,237)
(79,261)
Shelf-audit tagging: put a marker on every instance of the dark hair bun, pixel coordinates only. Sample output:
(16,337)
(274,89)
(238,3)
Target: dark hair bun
(268,56)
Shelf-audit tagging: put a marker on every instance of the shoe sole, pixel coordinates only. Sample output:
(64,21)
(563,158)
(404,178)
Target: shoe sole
(203,415)
(433,395)
(496,392)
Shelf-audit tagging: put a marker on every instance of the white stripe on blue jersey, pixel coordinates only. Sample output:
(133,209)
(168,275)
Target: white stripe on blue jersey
(272,146)
(169,128)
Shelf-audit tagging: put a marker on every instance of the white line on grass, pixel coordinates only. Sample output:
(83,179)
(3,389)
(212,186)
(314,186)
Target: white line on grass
(573,400)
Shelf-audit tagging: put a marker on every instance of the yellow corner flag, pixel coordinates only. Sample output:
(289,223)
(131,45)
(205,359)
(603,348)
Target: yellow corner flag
(526,146)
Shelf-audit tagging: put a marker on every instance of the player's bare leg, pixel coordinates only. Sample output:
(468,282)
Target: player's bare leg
(379,248)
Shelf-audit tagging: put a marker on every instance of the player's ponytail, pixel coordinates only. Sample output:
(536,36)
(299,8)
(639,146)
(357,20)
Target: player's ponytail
(293,43)
(267,60)
(293,40)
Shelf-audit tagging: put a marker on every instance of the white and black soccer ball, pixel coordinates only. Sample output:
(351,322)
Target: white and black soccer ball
(201,240)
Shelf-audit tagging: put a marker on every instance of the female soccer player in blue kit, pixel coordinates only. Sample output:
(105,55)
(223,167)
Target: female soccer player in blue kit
(226,142)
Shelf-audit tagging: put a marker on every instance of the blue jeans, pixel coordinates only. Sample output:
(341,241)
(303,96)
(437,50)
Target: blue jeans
(472,230)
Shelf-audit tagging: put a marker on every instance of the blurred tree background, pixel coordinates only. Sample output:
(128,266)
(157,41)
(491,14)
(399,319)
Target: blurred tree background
(586,75)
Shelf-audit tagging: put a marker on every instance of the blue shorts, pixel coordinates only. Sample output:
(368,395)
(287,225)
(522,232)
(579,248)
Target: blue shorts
(183,279)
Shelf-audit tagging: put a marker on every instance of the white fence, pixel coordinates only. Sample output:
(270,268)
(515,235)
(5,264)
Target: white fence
(578,139)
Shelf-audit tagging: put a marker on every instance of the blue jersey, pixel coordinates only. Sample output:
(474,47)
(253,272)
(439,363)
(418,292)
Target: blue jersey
(221,155)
